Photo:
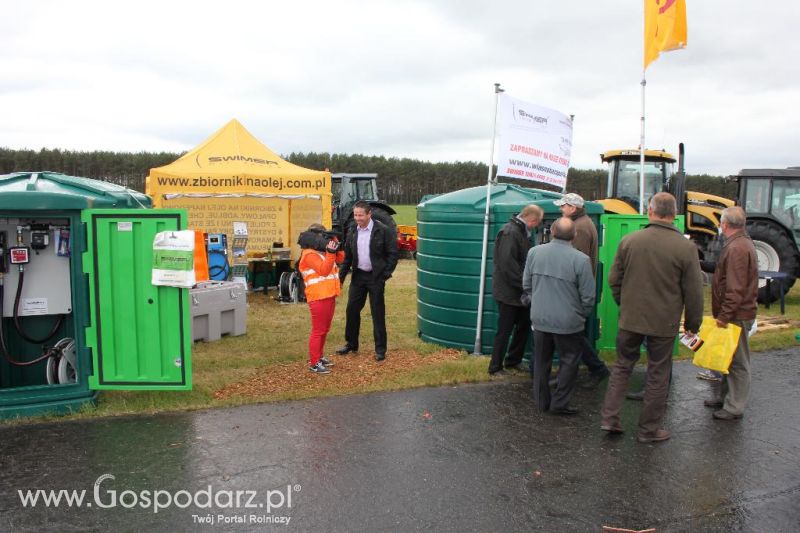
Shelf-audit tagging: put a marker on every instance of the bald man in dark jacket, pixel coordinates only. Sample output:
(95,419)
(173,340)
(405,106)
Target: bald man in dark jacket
(513,316)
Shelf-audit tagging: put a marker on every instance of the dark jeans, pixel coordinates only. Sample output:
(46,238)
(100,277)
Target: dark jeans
(569,349)
(362,285)
(510,318)
(659,368)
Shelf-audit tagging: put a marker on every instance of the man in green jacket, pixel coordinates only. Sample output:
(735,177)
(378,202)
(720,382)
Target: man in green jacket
(655,277)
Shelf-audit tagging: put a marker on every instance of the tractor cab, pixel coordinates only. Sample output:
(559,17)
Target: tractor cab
(771,198)
(622,193)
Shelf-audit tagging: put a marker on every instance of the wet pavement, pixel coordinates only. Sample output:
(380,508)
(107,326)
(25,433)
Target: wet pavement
(466,458)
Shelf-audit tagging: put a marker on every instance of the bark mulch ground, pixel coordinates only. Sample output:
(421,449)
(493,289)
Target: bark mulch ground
(350,372)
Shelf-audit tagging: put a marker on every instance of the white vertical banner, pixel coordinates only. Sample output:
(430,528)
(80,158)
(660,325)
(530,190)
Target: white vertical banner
(535,143)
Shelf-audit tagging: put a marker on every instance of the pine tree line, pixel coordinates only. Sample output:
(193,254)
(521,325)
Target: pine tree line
(401,181)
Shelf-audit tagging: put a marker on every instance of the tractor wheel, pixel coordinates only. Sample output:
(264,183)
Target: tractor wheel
(775,252)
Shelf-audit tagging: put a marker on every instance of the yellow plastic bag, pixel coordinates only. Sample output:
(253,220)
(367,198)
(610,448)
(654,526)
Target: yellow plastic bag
(719,345)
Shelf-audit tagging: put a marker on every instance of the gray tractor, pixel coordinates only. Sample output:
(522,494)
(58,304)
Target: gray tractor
(347,189)
(771,198)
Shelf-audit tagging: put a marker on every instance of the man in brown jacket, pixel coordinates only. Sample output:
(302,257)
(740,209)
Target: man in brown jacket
(572,207)
(656,276)
(734,289)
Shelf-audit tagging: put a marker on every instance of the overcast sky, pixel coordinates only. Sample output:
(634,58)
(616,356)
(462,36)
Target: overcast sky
(397,78)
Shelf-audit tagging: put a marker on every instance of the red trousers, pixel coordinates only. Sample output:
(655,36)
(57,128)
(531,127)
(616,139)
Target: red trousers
(321,318)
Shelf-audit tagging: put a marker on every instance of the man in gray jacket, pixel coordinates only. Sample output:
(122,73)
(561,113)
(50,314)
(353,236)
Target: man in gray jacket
(654,278)
(558,278)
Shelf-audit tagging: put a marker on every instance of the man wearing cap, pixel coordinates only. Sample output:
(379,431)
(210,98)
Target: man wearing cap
(510,251)
(585,241)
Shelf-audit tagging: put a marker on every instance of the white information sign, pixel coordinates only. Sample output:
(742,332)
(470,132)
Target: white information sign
(535,143)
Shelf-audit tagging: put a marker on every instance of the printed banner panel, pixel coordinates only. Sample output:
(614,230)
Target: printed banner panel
(535,143)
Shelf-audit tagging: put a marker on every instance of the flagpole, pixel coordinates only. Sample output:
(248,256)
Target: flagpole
(572,123)
(641,153)
(482,282)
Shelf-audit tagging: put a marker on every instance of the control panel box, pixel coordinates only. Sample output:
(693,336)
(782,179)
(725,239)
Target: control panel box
(37,246)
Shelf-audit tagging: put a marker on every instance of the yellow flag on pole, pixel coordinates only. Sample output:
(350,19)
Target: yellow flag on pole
(664,27)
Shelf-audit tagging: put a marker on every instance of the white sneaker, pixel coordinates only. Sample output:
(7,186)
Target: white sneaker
(709,375)
(319,368)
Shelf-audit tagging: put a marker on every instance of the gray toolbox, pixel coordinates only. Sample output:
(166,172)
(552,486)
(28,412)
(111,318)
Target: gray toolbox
(218,308)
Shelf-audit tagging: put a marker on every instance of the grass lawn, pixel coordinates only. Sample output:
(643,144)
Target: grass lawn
(269,362)
(406,215)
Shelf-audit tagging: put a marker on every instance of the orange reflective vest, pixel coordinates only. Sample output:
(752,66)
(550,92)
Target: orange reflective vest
(320,274)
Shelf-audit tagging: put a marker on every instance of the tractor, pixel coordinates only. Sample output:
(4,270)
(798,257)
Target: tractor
(702,210)
(347,189)
(771,199)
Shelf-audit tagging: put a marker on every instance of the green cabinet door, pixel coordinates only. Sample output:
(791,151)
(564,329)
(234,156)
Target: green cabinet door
(614,228)
(139,333)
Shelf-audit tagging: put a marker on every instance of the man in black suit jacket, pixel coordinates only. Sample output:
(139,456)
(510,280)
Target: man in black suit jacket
(371,252)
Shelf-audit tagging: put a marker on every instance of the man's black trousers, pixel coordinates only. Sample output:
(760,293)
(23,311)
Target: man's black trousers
(510,318)
(363,285)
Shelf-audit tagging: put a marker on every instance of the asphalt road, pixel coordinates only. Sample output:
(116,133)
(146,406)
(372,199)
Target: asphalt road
(466,458)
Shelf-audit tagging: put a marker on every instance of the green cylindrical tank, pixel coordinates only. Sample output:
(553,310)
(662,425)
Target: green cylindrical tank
(34,199)
(450,234)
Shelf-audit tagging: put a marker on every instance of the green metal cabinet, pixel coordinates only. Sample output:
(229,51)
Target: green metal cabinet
(127,333)
(138,330)
(614,228)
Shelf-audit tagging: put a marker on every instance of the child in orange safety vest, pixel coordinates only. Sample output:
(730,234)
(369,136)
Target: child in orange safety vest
(317,265)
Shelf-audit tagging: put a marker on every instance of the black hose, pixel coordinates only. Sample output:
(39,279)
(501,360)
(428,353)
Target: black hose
(219,269)
(49,353)
(18,324)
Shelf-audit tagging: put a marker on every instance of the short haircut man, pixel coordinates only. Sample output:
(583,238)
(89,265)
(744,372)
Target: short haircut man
(655,279)
(734,290)
(563,229)
(559,281)
(511,247)
(663,205)
(361,204)
(734,217)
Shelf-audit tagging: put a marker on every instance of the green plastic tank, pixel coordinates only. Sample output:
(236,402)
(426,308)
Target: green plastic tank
(450,234)
(76,264)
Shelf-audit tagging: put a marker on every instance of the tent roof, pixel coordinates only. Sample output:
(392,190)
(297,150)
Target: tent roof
(231,151)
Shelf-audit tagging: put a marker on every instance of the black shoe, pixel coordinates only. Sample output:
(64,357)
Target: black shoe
(594,380)
(636,396)
(564,411)
(380,356)
(346,349)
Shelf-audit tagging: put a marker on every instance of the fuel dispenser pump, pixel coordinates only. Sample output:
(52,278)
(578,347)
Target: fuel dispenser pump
(60,367)
(217,249)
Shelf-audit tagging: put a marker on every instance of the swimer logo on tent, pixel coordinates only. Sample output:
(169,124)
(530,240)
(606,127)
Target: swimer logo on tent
(105,496)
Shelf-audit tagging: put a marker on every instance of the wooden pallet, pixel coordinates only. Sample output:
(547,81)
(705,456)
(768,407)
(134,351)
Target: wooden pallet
(773,323)
(769,323)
